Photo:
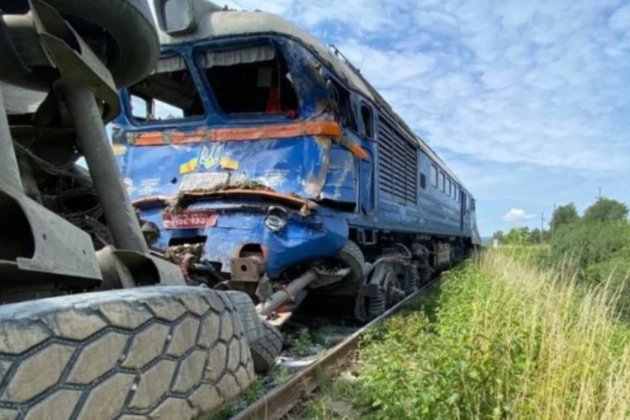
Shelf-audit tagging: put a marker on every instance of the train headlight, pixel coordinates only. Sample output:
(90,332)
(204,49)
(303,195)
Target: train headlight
(276,219)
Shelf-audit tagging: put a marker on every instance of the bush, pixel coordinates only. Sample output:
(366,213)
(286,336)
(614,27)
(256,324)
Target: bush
(600,252)
(588,243)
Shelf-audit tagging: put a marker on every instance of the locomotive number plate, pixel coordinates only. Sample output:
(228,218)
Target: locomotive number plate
(190,219)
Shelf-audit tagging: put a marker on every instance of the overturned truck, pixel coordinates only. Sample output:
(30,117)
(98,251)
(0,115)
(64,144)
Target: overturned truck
(93,322)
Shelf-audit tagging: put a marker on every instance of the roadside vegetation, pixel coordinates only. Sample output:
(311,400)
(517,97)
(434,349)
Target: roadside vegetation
(536,328)
(597,247)
(498,338)
(594,246)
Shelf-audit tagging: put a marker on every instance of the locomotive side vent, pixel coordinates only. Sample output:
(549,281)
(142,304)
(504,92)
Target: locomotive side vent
(397,163)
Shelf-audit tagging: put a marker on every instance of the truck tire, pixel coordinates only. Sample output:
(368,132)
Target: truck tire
(251,322)
(266,348)
(124,27)
(163,351)
(130,25)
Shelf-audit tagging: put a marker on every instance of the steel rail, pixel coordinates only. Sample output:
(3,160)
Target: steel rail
(284,397)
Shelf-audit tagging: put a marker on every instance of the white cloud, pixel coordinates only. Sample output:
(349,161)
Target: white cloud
(517,215)
(508,83)
(620,19)
(358,16)
(404,67)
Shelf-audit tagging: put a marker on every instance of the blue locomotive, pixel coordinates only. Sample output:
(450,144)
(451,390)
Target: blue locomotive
(261,160)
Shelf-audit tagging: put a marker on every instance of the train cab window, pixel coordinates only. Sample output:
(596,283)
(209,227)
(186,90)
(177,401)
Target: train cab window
(253,79)
(443,181)
(144,108)
(169,93)
(434,176)
(340,97)
(423,181)
(367,123)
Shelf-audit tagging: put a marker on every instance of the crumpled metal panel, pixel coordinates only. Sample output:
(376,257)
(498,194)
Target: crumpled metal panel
(312,167)
(295,166)
(341,177)
(303,239)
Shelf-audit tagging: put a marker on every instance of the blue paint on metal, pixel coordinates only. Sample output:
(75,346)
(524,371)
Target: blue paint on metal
(313,168)
(341,177)
(303,239)
(160,170)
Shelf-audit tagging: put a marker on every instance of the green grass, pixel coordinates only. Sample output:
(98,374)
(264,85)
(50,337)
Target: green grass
(302,343)
(256,390)
(499,338)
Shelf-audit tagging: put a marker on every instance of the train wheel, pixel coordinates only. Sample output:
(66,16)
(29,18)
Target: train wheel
(165,351)
(388,293)
(266,348)
(392,289)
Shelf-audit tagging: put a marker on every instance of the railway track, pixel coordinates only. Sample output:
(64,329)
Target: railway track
(285,397)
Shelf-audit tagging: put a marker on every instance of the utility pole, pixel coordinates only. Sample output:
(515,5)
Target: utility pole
(542,223)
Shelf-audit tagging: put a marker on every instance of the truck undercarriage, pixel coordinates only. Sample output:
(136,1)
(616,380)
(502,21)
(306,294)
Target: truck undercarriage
(70,235)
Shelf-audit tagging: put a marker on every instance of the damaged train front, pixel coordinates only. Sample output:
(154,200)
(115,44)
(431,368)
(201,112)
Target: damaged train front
(232,151)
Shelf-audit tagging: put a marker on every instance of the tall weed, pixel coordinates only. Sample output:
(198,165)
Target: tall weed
(599,252)
(500,338)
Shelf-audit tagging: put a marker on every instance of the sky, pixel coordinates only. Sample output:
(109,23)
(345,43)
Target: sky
(528,102)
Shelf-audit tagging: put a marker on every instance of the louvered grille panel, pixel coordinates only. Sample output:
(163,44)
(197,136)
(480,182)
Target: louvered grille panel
(397,164)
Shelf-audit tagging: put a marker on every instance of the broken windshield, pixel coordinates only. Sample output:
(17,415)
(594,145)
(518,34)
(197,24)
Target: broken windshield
(249,80)
(169,93)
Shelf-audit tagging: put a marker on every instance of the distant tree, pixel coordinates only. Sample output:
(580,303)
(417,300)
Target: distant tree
(564,215)
(518,236)
(498,235)
(535,237)
(606,210)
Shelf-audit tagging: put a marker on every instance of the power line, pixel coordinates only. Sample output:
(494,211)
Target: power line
(551,224)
